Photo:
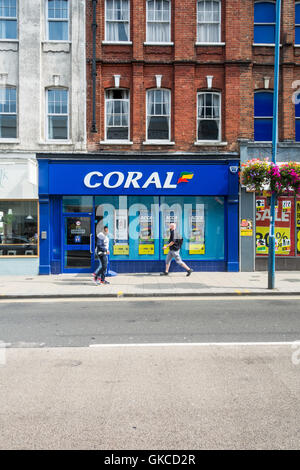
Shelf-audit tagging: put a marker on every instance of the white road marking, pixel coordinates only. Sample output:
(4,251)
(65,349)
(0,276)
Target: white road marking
(150,345)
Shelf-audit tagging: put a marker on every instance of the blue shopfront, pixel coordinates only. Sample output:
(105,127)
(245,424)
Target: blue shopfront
(137,201)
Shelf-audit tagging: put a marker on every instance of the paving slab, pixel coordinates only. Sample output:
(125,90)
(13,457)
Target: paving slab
(149,285)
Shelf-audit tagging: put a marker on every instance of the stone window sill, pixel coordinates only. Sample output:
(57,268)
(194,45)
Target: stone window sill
(56,142)
(56,46)
(158,142)
(118,43)
(115,142)
(205,143)
(210,43)
(10,141)
(158,43)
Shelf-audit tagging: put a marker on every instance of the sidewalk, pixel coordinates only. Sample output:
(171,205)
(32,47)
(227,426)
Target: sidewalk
(149,285)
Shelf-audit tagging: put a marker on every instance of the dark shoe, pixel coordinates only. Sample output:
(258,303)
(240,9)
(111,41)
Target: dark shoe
(95,280)
(105,282)
(190,271)
(164,274)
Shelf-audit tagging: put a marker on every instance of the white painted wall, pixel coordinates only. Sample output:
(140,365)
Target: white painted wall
(31,63)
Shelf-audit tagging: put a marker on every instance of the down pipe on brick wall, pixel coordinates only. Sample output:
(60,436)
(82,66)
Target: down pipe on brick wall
(94,70)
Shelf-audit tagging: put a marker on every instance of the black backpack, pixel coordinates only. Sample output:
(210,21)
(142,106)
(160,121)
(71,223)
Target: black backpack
(178,243)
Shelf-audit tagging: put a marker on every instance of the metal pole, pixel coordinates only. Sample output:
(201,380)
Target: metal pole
(271,260)
(94,69)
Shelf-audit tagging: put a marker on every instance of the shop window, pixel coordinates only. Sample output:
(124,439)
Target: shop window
(117,114)
(208,116)
(263,116)
(158,114)
(18,228)
(139,226)
(298,225)
(8,19)
(8,113)
(117,20)
(264,22)
(58,20)
(284,226)
(208,21)
(158,21)
(58,114)
(75,204)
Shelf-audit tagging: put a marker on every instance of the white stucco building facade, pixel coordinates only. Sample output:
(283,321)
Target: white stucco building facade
(42,109)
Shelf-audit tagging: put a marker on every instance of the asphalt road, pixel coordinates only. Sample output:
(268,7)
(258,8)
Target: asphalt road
(184,374)
(82,323)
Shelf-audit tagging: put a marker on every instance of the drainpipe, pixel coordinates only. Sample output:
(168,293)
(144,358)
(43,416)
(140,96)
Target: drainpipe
(94,70)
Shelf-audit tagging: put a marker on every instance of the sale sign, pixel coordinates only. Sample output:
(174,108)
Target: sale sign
(284,227)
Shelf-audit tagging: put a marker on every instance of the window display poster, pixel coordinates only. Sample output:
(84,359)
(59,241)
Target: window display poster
(169,217)
(284,228)
(298,225)
(121,245)
(146,240)
(246,228)
(197,231)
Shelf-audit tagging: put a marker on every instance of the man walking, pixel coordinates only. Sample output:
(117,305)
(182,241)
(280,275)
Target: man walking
(102,250)
(174,252)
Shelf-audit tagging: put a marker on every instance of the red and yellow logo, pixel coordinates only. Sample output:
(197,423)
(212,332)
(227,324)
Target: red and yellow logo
(185,176)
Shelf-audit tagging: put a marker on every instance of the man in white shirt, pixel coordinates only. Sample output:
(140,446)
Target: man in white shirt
(102,250)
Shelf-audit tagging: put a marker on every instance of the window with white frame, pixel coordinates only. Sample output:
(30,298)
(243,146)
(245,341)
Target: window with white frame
(58,114)
(264,22)
(209,116)
(117,114)
(208,21)
(58,20)
(158,114)
(158,21)
(8,113)
(117,20)
(8,19)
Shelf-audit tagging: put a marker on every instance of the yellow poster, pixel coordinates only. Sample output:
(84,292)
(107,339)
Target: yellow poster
(146,249)
(282,240)
(121,249)
(298,214)
(197,249)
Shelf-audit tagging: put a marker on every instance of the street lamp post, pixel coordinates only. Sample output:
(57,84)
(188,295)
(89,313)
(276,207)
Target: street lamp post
(271,260)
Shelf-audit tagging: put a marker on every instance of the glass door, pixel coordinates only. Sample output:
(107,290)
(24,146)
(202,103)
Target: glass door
(78,246)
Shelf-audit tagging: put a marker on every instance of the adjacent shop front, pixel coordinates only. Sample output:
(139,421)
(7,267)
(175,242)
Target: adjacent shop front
(137,201)
(19,244)
(255,209)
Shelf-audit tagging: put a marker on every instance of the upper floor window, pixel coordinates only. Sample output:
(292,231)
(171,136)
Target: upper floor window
(58,20)
(117,114)
(8,113)
(8,19)
(263,116)
(208,21)
(158,114)
(158,21)
(117,20)
(264,22)
(297,23)
(209,116)
(58,114)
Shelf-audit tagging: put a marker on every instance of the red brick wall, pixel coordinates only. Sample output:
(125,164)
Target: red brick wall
(238,68)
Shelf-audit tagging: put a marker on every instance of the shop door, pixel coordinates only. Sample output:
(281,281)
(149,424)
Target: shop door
(78,246)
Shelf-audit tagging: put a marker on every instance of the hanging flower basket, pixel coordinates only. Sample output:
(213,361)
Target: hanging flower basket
(254,174)
(290,177)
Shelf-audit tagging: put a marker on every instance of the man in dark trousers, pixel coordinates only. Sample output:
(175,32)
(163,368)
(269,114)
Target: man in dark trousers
(102,250)
(174,253)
